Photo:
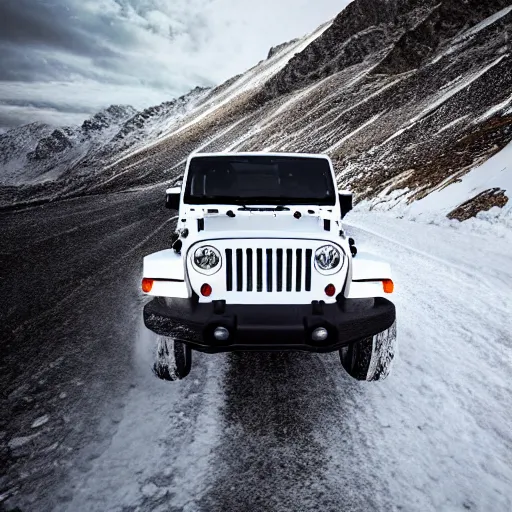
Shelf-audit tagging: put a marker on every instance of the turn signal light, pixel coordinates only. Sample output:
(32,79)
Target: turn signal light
(330,290)
(388,286)
(206,290)
(147,285)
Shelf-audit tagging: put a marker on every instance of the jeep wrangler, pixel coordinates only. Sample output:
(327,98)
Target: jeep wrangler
(260,262)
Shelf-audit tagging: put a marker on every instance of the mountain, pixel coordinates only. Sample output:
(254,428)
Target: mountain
(37,153)
(406,96)
(15,145)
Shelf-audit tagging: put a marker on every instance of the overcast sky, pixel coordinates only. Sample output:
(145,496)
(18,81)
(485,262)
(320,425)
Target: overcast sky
(61,60)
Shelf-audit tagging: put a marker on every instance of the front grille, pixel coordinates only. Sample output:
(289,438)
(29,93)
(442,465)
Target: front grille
(268,270)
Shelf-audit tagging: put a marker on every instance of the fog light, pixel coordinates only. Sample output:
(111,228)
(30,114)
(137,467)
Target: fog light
(221,334)
(320,334)
(206,290)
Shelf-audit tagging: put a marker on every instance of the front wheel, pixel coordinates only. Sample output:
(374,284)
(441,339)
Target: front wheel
(173,359)
(371,358)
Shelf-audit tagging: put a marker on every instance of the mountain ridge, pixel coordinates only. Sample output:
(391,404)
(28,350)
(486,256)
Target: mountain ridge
(397,92)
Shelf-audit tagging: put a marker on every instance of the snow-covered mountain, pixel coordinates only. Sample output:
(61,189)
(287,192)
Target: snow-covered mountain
(37,153)
(15,145)
(406,96)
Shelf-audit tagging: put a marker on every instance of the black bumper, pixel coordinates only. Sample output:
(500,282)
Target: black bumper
(268,327)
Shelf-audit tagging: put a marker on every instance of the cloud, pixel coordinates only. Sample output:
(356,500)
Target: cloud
(15,115)
(83,55)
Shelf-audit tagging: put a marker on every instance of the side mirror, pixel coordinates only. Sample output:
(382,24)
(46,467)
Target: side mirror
(172,198)
(345,203)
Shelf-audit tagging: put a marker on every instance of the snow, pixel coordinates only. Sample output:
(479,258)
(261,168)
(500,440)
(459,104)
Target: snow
(39,422)
(495,172)
(17,442)
(453,123)
(434,436)
(166,431)
(495,110)
(397,134)
(483,24)
(451,383)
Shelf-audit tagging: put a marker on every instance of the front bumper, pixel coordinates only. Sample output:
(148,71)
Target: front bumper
(267,327)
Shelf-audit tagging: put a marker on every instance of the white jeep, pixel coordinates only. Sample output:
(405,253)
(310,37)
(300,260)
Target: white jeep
(260,262)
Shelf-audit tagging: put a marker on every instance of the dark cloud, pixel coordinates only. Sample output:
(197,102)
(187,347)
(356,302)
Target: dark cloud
(60,24)
(70,56)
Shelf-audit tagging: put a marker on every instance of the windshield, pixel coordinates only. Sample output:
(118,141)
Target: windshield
(260,180)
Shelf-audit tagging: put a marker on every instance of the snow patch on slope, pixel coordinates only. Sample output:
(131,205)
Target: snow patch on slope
(495,172)
(432,209)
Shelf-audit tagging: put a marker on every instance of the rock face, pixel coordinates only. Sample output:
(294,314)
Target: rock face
(111,116)
(404,95)
(153,120)
(482,202)
(49,146)
(279,48)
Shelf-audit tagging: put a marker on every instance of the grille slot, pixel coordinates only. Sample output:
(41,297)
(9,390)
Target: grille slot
(289,268)
(309,255)
(279,270)
(239,270)
(249,270)
(259,254)
(229,270)
(269,270)
(298,277)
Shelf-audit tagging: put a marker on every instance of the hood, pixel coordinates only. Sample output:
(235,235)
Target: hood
(268,225)
(264,222)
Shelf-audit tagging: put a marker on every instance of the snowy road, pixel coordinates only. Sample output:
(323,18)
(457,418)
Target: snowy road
(85,426)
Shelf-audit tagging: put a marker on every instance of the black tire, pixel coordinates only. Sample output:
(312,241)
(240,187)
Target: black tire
(173,359)
(371,358)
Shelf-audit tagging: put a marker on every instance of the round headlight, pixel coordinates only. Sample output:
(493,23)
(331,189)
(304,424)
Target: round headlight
(328,258)
(207,260)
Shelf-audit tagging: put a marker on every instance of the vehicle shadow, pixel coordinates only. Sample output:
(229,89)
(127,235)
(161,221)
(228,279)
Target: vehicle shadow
(277,421)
